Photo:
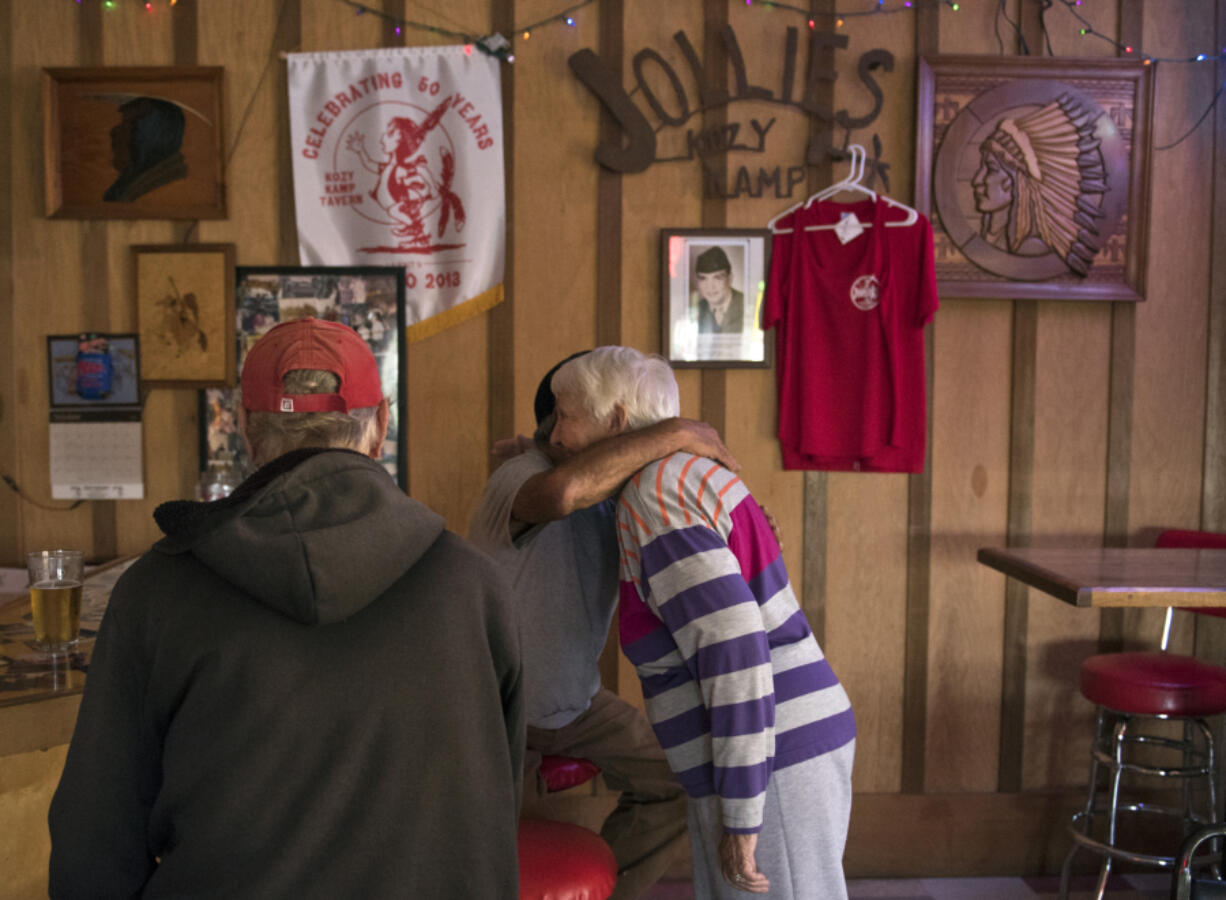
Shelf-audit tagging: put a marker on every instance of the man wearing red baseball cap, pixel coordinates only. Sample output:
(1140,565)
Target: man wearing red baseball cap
(307,689)
(311,383)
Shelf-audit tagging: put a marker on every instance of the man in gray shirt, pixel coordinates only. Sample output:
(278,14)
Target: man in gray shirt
(548,522)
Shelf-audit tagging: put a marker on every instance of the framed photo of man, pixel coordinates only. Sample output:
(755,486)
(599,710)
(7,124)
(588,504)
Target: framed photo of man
(713,281)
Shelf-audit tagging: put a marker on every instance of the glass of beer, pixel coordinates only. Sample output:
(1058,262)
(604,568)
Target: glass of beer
(55,598)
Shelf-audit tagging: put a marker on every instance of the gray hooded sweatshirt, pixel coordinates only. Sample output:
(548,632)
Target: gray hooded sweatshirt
(308,689)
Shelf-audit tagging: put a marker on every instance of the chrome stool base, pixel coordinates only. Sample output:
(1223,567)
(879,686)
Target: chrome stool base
(1111,753)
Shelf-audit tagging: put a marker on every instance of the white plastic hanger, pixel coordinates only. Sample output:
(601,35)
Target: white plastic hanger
(853,182)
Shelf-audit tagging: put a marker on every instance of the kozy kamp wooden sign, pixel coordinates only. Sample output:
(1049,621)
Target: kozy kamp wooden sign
(799,87)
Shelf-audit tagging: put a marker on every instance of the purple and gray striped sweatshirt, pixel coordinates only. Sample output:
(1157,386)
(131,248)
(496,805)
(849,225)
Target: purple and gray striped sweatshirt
(734,683)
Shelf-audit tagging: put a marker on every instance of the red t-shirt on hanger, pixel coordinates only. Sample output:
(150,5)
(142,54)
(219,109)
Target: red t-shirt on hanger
(849,336)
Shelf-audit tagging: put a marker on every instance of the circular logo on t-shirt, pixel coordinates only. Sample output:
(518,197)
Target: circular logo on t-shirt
(864,292)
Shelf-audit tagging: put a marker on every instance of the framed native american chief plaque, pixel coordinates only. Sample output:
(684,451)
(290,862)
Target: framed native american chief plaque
(1035,174)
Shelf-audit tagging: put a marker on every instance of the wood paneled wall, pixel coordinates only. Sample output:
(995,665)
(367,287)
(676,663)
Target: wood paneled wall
(1051,421)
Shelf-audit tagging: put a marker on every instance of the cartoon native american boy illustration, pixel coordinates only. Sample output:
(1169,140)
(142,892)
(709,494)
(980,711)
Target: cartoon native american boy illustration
(407,186)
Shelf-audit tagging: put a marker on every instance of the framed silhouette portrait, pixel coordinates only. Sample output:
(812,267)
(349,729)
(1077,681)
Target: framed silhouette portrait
(185,313)
(713,281)
(1035,174)
(134,143)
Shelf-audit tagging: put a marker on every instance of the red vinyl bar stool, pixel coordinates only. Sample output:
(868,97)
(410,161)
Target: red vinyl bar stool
(558,860)
(1127,689)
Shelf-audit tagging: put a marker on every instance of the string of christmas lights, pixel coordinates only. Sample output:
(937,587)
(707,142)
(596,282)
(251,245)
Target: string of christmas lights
(498,46)
(1088,30)
(878,7)
(494,44)
(875,8)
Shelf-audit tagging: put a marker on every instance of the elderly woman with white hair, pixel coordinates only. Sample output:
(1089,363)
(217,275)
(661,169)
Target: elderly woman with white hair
(749,712)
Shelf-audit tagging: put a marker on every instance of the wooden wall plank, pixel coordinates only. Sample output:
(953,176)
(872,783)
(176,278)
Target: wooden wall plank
(1169,411)
(287,37)
(1213,494)
(666,195)
(609,236)
(555,181)
(48,296)
(1123,374)
(500,322)
(10,503)
(914,733)
(969,489)
(95,265)
(1068,493)
(1021,487)
(970,465)
(259,187)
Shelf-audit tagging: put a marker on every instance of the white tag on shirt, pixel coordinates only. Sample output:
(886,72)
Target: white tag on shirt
(848,228)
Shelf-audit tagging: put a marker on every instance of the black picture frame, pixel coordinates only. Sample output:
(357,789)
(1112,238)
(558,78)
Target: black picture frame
(370,299)
(690,335)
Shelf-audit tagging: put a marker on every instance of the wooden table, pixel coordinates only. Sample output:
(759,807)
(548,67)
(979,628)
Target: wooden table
(1117,576)
(40,692)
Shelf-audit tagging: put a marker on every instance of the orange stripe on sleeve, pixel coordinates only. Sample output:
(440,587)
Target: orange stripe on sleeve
(660,492)
(681,487)
(719,506)
(702,486)
(638,521)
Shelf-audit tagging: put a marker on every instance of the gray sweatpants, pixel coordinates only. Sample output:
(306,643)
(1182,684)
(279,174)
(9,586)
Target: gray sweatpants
(804,832)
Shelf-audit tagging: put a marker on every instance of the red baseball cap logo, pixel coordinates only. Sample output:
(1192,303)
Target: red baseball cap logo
(310,343)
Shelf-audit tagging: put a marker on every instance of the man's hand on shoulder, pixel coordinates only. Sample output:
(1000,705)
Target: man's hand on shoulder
(701,439)
(599,471)
(510,447)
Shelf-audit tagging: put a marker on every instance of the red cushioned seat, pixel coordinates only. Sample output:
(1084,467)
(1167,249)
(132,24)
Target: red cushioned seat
(562,772)
(1129,689)
(560,861)
(1152,684)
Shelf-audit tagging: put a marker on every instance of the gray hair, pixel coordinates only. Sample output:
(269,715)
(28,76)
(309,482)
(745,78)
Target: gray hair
(642,383)
(273,434)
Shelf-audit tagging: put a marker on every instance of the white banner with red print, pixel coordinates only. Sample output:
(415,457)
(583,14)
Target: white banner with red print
(398,161)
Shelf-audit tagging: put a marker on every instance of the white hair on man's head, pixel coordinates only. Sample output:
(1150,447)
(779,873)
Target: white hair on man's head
(642,383)
(274,434)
